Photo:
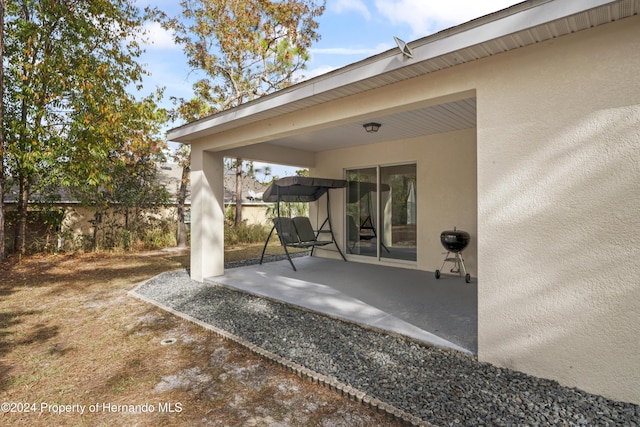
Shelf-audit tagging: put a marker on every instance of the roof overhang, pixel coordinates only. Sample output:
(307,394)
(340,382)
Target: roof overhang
(524,24)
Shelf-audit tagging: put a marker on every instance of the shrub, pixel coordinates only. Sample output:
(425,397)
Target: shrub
(244,233)
(161,234)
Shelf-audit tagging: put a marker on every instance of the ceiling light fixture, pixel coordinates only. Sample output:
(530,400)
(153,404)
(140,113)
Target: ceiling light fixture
(371,127)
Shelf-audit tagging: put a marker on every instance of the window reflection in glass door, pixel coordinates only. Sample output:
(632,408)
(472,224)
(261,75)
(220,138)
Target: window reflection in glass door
(398,212)
(362,211)
(381,212)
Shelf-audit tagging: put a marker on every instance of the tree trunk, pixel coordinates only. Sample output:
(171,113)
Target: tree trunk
(182,197)
(2,234)
(20,245)
(97,219)
(238,220)
(2,246)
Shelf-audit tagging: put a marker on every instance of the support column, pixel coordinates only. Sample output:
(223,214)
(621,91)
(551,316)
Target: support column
(207,214)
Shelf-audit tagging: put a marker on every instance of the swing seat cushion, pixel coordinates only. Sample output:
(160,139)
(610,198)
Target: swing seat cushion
(297,232)
(286,231)
(306,233)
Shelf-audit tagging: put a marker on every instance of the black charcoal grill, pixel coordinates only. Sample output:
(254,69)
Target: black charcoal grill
(454,241)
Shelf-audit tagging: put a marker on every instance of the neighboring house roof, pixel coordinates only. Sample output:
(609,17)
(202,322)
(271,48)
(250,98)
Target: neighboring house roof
(62,197)
(523,24)
(251,189)
(170,176)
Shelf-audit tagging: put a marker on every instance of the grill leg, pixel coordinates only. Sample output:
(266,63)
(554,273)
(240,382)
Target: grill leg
(460,263)
(446,258)
(458,266)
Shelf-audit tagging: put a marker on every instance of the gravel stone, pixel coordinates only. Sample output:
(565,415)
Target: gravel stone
(440,386)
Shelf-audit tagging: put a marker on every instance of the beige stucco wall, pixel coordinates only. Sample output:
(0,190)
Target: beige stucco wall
(444,199)
(254,213)
(558,203)
(559,210)
(78,224)
(207,214)
(77,220)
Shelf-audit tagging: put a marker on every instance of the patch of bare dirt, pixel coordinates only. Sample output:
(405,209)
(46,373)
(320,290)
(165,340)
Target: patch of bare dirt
(76,350)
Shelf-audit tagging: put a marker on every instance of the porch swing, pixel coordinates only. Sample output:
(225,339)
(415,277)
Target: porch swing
(298,232)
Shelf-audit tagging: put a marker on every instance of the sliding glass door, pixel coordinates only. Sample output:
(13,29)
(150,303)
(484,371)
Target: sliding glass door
(381,212)
(362,211)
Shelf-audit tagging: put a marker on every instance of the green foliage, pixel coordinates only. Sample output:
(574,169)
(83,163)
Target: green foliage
(288,209)
(44,221)
(67,74)
(136,188)
(243,48)
(244,233)
(111,234)
(157,235)
(68,69)
(229,215)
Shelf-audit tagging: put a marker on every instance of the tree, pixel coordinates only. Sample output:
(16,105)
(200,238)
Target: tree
(137,190)
(128,174)
(2,245)
(238,217)
(69,65)
(182,156)
(243,170)
(242,49)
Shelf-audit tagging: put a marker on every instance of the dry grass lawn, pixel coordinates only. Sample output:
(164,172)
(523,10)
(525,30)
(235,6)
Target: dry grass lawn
(76,350)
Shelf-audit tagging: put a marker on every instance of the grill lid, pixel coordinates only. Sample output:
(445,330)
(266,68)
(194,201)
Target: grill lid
(454,240)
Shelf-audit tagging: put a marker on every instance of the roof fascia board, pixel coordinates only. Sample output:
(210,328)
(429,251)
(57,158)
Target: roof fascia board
(520,17)
(534,16)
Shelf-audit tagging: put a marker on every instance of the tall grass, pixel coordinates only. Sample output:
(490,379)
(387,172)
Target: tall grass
(146,234)
(244,233)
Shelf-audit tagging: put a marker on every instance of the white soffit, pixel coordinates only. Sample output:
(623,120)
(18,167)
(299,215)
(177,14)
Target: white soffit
(526,23)
(440,118)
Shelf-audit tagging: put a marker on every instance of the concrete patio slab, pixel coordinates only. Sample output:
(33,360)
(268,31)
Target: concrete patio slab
(404,301)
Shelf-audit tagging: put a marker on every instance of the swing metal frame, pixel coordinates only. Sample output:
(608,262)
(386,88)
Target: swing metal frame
(296,232)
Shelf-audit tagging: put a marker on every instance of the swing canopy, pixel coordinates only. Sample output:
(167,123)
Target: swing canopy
(300,189)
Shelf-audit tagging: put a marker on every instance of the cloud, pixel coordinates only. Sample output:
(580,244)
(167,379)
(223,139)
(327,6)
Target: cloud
(342,6)
(157,37)
(343,51)
(315,72)
(428,17)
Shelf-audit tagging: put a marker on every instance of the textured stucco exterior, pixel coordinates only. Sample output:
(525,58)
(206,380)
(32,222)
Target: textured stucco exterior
(549,188)
(559,210)
(207,214)
(558,203)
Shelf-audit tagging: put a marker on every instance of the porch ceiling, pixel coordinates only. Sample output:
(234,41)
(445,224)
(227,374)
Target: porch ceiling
(452,116)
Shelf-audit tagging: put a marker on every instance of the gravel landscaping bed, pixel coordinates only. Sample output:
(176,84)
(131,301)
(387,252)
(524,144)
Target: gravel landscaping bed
(439,386)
